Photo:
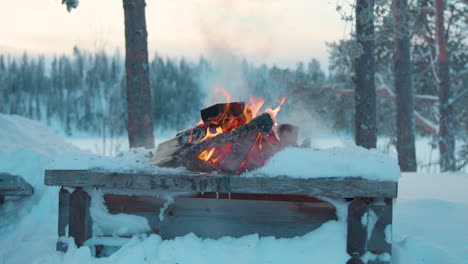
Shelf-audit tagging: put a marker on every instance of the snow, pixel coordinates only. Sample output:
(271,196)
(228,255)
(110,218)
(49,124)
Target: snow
(346,161)
(429,225)
(105,223)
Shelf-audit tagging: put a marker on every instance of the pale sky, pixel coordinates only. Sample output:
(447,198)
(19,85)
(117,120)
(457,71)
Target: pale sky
(280,32)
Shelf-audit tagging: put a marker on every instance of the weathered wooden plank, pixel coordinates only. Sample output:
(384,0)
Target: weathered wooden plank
(134,204)
(380,241)
(63,217)
(9,182)
(197,182)
(357,230)
(215,218)
(14,185)
(80,223)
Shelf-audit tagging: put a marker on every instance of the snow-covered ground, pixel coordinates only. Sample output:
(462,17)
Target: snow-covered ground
(430,217)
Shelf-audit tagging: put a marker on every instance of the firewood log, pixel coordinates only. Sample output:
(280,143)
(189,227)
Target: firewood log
(182,154)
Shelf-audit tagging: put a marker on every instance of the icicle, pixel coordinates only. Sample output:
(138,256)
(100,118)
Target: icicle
(217,195)
(229,195)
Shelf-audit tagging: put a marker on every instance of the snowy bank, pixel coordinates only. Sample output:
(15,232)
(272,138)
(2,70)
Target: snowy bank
(426,228)
(338,162)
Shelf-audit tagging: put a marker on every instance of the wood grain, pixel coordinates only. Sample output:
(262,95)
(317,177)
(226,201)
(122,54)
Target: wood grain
(378,243)
(198,182)
(80,222)
(63,218)
(357,230)
(215,218)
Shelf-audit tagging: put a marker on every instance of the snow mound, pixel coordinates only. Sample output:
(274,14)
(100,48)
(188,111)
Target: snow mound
(425,230)
(18,133)
(347,161)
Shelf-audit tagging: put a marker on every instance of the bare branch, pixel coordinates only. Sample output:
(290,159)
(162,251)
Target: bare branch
(452,8)
(460,75)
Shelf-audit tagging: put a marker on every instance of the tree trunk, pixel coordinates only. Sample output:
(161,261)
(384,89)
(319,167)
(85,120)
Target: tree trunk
(404,91)
(366,132)
(446,136)
(140,121)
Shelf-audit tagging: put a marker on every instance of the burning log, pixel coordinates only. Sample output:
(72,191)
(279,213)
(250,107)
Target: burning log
(174,153)
(232,138)
(215,112)
(262,123)
(167,149)
(240,150)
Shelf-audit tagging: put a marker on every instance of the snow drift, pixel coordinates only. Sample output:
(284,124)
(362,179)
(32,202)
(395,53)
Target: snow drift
(28,226)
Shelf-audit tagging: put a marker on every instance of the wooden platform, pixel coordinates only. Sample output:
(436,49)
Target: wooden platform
(13,185)
(228,205)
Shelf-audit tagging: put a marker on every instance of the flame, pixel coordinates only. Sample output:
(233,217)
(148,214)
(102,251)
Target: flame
(223,91)
(226,122)
(274,112)
(253,108)
(219,130)
(206,154)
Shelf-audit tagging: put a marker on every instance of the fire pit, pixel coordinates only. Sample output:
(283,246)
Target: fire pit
(231,137)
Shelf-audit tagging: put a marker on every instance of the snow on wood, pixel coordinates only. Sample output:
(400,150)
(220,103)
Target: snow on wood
(197,182)
(348,161)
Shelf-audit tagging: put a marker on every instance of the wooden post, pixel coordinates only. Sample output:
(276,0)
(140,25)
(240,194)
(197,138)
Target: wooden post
(80,223)
(380,241)
(63,217)
(357,232)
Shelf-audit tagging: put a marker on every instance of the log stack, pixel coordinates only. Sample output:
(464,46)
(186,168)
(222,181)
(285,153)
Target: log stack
(227,133)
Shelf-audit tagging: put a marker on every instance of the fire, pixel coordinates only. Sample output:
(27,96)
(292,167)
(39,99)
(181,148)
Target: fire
(228,120)
(274,112)
(206,154)
(219,130)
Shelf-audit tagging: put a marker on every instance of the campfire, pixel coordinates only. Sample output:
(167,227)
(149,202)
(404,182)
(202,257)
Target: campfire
(231,137)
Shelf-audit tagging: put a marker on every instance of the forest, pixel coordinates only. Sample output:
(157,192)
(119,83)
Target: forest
(83,92)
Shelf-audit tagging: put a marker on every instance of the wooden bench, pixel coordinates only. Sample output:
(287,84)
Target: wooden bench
(226,205)
(13,185)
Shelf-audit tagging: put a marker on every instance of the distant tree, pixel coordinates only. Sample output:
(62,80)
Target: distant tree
(405,144)
(314,72)
(366,130)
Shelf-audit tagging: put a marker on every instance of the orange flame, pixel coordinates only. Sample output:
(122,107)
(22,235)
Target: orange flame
(219,130)
(274,112)
(226,122)
(206,154)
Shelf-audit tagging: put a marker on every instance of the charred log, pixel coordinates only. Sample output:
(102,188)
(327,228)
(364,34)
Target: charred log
(240,150)
(176,152)
(215,112)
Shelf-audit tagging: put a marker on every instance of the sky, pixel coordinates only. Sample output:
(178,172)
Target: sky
(280,32)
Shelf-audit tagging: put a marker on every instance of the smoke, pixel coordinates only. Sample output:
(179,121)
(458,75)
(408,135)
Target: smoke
(227,38)
(225,71)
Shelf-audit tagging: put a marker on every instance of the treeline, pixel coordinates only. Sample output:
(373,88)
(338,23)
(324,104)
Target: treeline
(86,91)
